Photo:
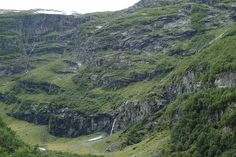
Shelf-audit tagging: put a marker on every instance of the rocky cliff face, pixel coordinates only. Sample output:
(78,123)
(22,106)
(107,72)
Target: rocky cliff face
(12,70)
(39,29)
(154,34)
(76,124)
(153,3)
(35,87)
(144,39)
(226,80)
(29,35)
(3,98)
(132,112)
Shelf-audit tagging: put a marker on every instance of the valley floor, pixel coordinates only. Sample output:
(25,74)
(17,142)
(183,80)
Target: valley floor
(38,135)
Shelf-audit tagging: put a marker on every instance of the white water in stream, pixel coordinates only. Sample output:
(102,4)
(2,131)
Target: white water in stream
(113,125)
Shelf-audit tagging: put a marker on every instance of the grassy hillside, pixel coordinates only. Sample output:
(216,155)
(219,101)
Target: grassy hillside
(160,76)
(35,135)
(11,146)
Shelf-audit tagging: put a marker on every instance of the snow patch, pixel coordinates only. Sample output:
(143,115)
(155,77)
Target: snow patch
(99,27)
(96,138)
(41,149)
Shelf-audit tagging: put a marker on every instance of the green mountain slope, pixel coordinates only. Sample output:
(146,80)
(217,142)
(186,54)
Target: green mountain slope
(156,70)
(10,146)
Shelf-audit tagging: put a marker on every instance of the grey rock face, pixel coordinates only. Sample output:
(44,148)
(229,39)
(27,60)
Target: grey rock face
(51,33)
(209,2)
(36,115)
(185,85)
(72,124)
(3,98)
(131,112)
(110,82)
(152,3)
(75,124)
(140,40)
(34,87)
(226,80)
(156,35)
(11,70)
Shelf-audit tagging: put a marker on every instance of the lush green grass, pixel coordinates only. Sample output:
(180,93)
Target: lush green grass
(120,69)
(113,77)
(38,135)
(146,148)
(12,146)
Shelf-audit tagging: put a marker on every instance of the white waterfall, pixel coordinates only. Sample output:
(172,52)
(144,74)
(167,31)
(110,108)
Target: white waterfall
(113,125)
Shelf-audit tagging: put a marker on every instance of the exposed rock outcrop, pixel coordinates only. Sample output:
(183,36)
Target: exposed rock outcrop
(131,112)
(11,70)
(209,2)
(110,82)
(136,40)
(226,80)
(75,124)
(3,98)
(35,86)
(32,113)
(152,3)
(49,33)
(39,116)
(144,32)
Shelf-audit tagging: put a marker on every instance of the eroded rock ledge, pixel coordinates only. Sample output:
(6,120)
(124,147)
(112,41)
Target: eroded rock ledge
(65,123)
(75,124)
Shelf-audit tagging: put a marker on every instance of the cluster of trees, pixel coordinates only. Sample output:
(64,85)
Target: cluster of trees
(206,126)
